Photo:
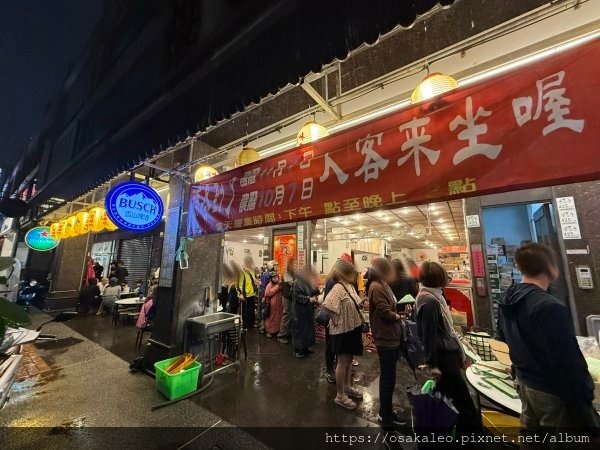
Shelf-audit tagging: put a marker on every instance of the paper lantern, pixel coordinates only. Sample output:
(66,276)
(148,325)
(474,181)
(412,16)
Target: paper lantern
(55,230)
(81,225)
(60,228)
(246,155)
(69,230)
(95,219)
(433,85)
(107,223)
(204,172)
(311,132)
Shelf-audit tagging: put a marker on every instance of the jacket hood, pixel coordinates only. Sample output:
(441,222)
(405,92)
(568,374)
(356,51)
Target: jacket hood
(513,297)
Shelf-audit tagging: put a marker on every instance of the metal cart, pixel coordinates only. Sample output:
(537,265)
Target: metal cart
(212,335)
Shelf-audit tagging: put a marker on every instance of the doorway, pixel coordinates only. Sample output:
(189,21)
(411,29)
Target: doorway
(506,227)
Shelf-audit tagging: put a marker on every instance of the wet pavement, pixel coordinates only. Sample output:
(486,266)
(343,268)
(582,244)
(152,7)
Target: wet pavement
(88,392)
(271,388)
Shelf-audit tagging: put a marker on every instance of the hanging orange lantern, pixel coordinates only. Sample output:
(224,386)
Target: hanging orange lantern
(204,172)
(433,84)
(246,156)
(55,230)
(107,223)
(95,219)
(60,228)
(81,225)
(69,230)
(311,132)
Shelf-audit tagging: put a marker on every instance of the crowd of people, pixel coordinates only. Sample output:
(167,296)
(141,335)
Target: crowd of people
(99,294)
(282,304)
(555,387)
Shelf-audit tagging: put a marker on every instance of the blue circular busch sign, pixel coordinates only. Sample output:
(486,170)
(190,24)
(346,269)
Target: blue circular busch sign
(39,239)
(134,206)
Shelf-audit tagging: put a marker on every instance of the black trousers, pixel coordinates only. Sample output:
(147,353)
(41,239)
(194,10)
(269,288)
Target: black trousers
(249,312)
(454,385)
(329,355)
(388,358)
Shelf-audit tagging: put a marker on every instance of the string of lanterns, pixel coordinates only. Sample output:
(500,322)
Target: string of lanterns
(83,222)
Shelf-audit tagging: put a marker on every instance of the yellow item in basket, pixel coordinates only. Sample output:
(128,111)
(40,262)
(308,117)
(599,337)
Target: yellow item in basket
(180,363)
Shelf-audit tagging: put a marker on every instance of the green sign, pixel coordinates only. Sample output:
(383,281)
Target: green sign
(39,239)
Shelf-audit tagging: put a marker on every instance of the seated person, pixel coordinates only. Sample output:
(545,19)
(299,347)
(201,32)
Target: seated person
(89,297)
(112,292)
(140,289)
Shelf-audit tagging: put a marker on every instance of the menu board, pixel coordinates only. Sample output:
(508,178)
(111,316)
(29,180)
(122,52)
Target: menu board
(567,215)
(170,242)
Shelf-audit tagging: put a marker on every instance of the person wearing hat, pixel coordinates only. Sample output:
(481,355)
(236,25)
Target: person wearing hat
(274,305)
(265,278)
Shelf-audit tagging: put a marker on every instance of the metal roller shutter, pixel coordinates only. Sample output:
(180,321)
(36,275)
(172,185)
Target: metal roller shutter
(135,253)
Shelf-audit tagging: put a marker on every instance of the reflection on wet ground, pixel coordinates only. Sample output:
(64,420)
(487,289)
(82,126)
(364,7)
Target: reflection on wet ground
(272,387)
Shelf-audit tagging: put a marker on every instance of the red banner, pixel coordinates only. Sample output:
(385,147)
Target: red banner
(536,126)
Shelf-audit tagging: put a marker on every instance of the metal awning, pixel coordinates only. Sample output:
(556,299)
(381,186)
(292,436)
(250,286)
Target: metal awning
(278,45)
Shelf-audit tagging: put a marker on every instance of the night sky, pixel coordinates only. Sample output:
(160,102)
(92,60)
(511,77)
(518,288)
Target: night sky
(39,40)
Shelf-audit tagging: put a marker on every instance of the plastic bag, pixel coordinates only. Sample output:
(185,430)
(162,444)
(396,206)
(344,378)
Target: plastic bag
(589,347)
(431,409)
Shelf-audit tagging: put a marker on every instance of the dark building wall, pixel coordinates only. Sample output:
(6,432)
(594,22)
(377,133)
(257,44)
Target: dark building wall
(587,203)
(39,264)
(70,263)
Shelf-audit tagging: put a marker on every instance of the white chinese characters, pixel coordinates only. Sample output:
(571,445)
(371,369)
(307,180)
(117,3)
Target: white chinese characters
(471,132)
(373,161)
(415,138)
(551,99)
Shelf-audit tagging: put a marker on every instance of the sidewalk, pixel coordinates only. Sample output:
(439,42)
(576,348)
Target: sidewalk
(86,391)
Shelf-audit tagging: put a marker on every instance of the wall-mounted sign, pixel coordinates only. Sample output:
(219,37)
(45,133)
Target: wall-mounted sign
(567,215)
(39,239)
(454,249)
(134,206)
(473,221)
(477,262)
(540,115)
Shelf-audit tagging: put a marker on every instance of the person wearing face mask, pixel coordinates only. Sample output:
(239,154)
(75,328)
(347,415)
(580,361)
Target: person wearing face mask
(555,386)
(274,299)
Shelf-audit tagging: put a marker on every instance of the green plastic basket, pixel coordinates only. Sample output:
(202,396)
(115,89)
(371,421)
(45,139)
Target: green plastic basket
(179,384)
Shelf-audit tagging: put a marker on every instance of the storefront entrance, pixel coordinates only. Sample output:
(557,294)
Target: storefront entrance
(506,228)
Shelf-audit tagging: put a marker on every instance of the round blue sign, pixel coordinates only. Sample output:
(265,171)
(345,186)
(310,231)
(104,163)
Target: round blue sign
(39,239)
(134,206)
